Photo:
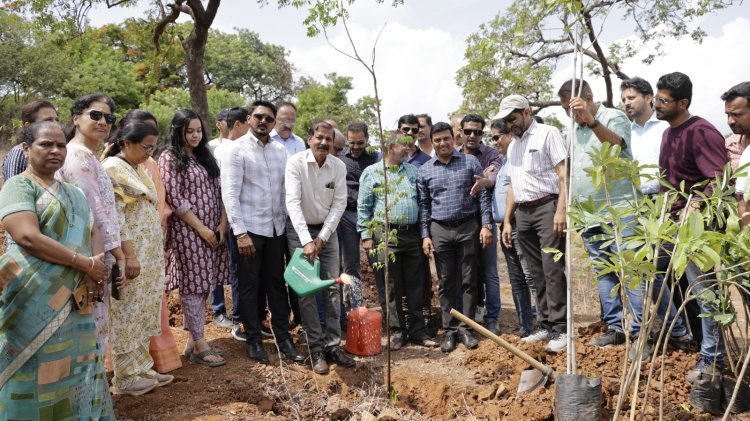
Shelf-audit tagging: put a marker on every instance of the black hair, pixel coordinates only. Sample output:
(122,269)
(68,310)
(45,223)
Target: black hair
(538,119)
(359,127)
(176,144)
(474,118)
(640,85)
(321,125)
(29,134)
(679,86)
(261,103)
(236,114)
(737,91)
(499,125)
(135,115)
(84,102)
(439,127)
(29,114)
(286,104)
(134,131)
(569,88)
(426,117)
(407,119)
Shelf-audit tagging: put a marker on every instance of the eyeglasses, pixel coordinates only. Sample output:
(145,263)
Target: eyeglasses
(264,118)
(97,115)
(287,122)
(497,137)
(357,143)
(469,132)
(663,101)
(338,148)
(149,149)
(407,130)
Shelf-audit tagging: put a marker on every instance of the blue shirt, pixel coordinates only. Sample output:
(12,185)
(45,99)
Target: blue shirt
(444,191)
(14,162)
(419,158)
(502,182)
(402,198)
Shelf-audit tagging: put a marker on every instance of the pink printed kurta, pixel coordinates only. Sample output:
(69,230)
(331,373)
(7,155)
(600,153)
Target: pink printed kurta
(191,264)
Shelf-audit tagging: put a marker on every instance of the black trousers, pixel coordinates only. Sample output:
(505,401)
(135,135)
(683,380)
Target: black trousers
(456,261)
(405,279)
(265,269)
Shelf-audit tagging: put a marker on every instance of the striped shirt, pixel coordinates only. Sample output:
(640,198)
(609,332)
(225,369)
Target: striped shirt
(402,198)
(252,186)
(444,192)
(292,145)
(532,159)
(14,162)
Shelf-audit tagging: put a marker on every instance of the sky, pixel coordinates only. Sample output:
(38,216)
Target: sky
(423,45)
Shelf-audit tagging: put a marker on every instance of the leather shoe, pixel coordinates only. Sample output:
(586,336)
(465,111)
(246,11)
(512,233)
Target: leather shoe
(397,342)
(256,352)
(449,342)
(338,356)
(319,363)
(290,352)
(466,338)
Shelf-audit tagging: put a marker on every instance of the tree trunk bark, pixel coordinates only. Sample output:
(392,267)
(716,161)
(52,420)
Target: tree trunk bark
(195,46)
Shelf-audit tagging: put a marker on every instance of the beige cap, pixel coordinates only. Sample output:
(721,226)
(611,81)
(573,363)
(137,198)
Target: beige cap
(510,103)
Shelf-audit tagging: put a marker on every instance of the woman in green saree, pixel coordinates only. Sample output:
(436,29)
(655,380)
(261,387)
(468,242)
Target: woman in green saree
(50,367)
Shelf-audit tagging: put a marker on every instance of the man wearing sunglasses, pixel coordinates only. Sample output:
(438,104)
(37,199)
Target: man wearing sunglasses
(488,282)
(408,125)
(356,159)
(283,133)
(252,181)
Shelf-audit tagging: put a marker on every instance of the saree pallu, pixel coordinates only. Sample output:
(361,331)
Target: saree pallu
(64,379)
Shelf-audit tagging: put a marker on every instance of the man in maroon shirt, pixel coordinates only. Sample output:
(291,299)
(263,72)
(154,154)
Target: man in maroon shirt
(693,151)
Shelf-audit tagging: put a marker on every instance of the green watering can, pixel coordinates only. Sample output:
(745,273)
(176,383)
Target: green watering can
(304,277)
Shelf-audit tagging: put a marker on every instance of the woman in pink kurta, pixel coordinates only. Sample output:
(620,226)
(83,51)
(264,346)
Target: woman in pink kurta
(195,251)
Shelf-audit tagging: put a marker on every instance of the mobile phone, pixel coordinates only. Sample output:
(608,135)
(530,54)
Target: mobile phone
(113,287)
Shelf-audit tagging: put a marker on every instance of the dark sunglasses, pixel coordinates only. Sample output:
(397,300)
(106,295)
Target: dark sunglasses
(413,130)
(338,149)
(264,118)
(97,115)
(469,132)
(496,137)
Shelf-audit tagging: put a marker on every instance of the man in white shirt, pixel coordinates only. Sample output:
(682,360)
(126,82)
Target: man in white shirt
(316,196)
(286,119)
(646,130)
(221,124)
(252,182)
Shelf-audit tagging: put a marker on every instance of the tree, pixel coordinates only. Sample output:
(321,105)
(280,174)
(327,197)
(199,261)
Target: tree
(519,49)
(243,63)
(317,101)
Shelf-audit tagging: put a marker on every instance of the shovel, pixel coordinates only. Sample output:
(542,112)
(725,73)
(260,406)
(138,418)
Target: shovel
(530,379)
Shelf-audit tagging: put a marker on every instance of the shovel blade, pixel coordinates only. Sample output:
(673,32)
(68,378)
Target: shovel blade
(531,380)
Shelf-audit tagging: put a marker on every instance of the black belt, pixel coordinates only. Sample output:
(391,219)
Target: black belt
(455,223)
(315,226)
(403,227)
(537,202)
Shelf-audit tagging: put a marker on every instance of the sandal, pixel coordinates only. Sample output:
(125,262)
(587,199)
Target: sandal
(199,358)
(140,387)
(186,353)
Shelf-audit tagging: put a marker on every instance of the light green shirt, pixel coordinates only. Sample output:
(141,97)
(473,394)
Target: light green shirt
(582,187)
(402,199)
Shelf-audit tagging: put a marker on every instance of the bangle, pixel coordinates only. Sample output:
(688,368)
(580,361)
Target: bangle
(73,259)
(92,264)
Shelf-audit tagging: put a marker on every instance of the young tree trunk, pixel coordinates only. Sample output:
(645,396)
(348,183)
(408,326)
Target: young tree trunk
(195,46)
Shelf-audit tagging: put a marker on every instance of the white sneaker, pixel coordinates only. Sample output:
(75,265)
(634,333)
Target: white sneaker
(557,343)
(479,314)
(539,335)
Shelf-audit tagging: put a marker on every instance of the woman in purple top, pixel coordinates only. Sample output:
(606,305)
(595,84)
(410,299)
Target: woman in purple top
(195,251)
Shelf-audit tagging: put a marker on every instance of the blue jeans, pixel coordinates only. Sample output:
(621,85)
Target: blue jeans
(612,305)
(712,344)
(519,285)
(489,281)
(218,305)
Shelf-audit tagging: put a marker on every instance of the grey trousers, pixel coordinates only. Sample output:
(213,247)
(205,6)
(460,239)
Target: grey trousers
(317,339)
(535,232)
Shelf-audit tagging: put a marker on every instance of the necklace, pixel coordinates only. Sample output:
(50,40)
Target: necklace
(41,184)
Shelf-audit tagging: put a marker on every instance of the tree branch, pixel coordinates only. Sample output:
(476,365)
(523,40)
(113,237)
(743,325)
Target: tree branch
(166,20)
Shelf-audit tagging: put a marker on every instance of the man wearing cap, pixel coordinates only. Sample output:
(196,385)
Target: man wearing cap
(536,197)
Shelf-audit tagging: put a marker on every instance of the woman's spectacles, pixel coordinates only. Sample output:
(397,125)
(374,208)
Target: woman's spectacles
(97,115)
(149,149)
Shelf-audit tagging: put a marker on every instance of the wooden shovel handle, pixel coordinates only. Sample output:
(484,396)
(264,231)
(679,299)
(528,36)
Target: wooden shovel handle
(503,343)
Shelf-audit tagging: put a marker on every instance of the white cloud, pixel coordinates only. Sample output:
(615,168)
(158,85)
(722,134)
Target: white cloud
(415,68)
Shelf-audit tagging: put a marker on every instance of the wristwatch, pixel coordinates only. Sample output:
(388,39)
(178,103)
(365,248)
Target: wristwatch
(593,125)
(488,226)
